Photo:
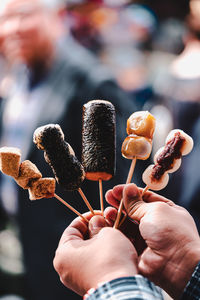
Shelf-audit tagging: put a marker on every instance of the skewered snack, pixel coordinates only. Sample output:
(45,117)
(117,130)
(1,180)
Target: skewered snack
(45,137)
(42,188)
(140,130)
(29,177)
(98,140)
(27,173)
(167,159)
(141,123)
(153,182)
(188,143)
(68,171)
(138,143)
(176,163)
(138,147)
(10,161)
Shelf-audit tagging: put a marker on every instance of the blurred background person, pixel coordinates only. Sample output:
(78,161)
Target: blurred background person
(52,77)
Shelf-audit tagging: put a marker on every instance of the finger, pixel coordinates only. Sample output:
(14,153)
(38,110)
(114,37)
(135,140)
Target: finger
(153,197)
(113,197)
(75,231)
(110,215)
(78,228)
(118,191)
(96,224)
(134,205)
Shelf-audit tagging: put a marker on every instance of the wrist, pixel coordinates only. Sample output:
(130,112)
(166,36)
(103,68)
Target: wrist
(114,275)
(125,288)
(179,270)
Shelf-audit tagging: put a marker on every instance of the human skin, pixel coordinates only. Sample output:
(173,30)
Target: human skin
(173,244)
(88,255)
(25,35)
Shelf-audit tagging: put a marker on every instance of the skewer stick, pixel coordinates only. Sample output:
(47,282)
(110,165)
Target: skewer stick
(70,207)
(101,195)
(122,221)
(86,201)
(128,180)
(145,189)
(131,170)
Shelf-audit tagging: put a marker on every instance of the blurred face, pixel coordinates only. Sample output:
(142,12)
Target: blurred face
(194,16)
(26,31)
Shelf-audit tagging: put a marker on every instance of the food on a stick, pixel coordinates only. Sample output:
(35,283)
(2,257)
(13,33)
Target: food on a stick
(27,173)
(10,161)
(141,123)
(98,140)
(47,136)
(140,129)
(167,159)
(188,143)
(152,182)
(138,147)
(68,171)
(42,188)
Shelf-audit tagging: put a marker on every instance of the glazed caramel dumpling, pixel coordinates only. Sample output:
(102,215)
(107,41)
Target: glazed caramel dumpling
(152,182)
(141,123)
(137,147)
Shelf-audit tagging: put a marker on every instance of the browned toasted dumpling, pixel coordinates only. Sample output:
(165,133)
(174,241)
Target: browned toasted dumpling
(27,172)
(42,188)
(10,161)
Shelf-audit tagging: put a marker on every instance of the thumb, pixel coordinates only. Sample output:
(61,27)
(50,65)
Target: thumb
(96,223)
(135,207)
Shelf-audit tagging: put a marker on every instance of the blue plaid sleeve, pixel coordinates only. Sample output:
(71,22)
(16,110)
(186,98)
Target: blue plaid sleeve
(192,289)
(137,288)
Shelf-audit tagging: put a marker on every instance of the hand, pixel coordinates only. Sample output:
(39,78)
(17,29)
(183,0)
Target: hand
(83,262)
(173,244)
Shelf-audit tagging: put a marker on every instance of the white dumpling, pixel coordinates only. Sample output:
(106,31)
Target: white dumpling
(176,163)
(159,151)
(187,146)
(154,185)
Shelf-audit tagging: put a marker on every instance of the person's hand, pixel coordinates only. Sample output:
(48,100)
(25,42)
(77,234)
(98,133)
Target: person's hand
(83,262)
(173,244)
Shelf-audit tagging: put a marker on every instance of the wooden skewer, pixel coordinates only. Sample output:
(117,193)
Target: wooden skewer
(128,180)
(131,170)
(101,195)
(123,219)
(70,207)
(86,201)
(145,189)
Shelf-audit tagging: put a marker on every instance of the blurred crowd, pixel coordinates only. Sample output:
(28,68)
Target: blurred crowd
(141,55)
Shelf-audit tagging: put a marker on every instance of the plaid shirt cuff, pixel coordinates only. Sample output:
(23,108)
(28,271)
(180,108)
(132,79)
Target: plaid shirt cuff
(192,289)
(125,288)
